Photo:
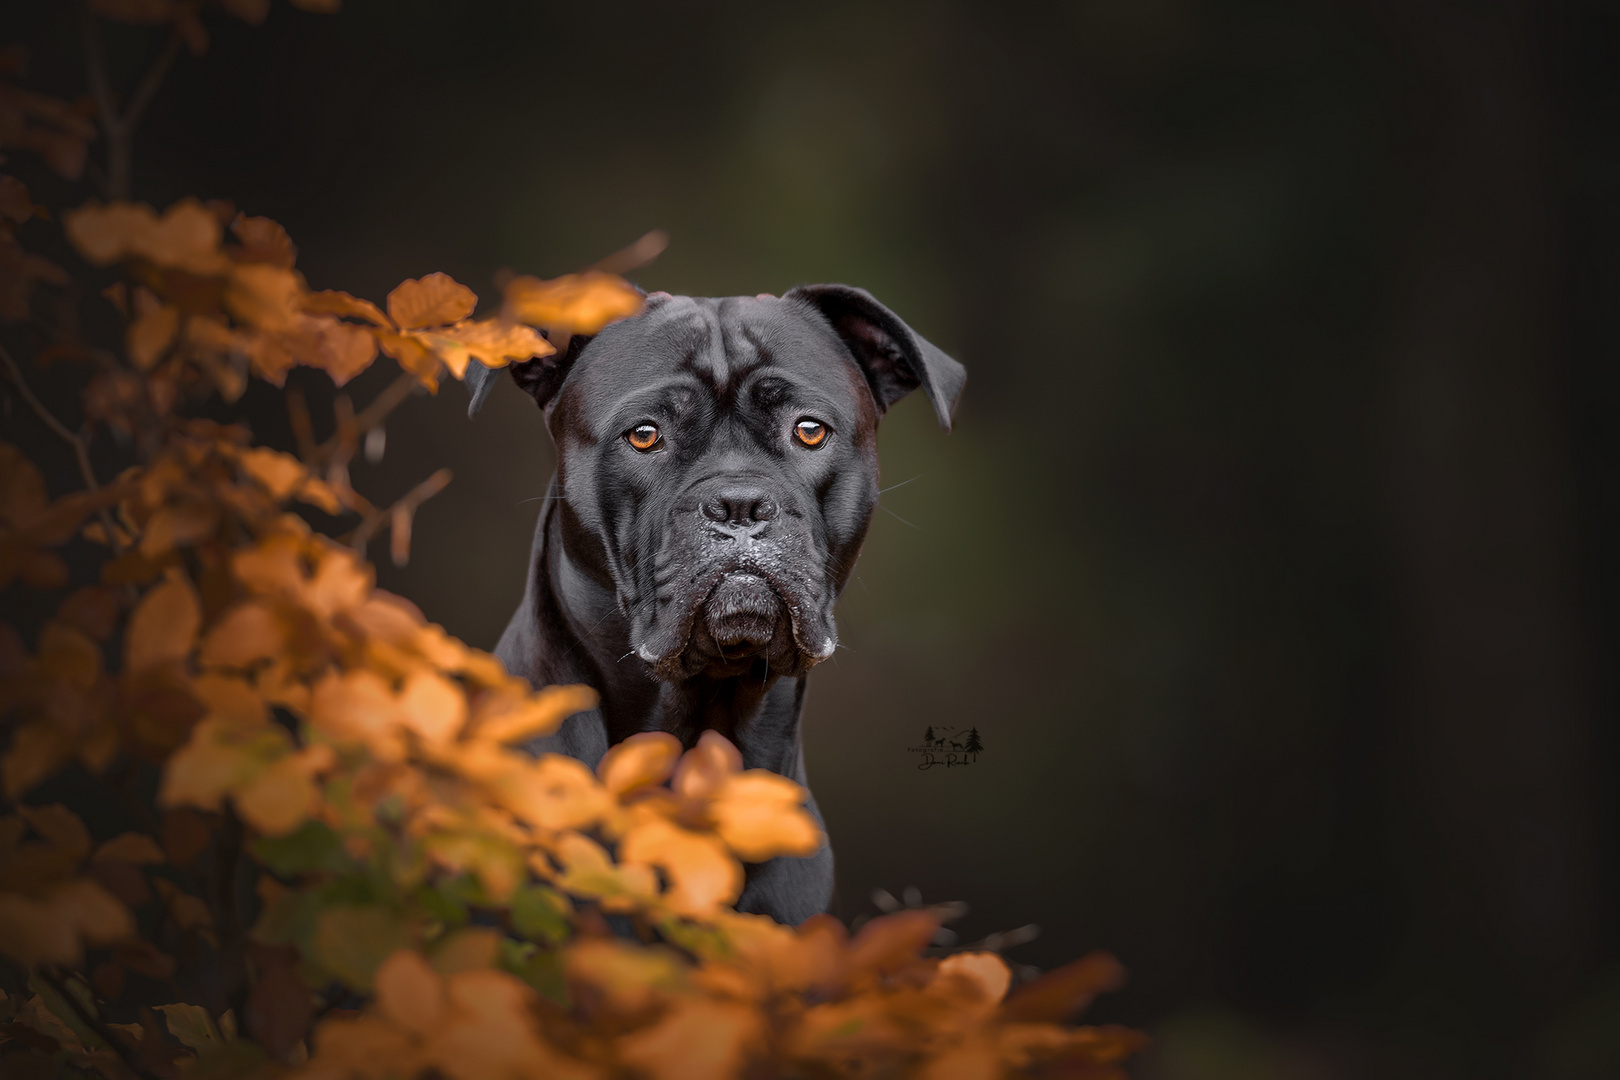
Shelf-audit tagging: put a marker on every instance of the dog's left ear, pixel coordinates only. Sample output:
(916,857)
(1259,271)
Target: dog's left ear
(540,379)
(895,358)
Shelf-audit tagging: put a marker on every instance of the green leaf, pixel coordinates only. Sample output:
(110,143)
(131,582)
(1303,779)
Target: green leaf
(441,906)
(540,968)
(58,1006)
(701,941)
(191,1024)
(227,1061)
(350,941)
(312,847)
(541,914)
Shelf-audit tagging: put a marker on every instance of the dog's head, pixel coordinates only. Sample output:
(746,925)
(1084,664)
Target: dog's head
(717,465)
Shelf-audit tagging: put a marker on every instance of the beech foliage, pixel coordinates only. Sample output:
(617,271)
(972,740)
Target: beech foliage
(338,861)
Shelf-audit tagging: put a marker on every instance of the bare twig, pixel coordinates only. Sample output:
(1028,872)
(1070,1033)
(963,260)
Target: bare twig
(150,82)
(303,428)
(401,510)
(634,256)
(392,397)
(119,129)
(80,452)
(53,979)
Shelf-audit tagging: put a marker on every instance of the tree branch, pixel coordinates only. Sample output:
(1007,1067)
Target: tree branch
(149,84)
(404,508)
(80,451)
(119,130)
(392,397)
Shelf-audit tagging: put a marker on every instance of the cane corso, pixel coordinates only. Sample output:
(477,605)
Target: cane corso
(716,474)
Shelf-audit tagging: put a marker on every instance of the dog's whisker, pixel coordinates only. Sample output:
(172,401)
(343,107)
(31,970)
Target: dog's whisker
(896,516)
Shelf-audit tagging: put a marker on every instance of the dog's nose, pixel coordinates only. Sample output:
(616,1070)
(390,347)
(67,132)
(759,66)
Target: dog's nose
(739,507)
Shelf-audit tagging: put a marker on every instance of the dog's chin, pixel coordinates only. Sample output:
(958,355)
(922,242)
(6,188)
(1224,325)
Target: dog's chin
(742,627)
(739,626)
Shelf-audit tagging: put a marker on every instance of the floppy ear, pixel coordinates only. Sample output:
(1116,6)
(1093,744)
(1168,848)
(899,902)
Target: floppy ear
(895,358)
(540,378)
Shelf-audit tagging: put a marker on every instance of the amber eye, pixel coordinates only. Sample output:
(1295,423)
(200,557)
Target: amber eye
(811,433)
(644,437)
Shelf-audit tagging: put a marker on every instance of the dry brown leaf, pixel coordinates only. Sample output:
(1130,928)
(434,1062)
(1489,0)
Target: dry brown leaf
(434,300)
(573,304)
(164,624)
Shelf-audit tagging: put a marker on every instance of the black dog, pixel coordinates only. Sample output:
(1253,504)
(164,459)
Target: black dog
(716,474)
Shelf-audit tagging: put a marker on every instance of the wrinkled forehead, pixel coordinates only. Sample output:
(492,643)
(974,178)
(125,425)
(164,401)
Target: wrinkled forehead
(719,343)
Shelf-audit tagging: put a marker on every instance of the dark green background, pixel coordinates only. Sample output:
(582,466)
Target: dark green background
(1271,556)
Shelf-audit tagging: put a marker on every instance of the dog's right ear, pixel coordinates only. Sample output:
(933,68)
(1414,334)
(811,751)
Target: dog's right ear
(540,378)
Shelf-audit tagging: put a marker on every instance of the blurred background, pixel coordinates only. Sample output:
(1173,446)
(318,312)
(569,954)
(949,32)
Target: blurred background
(1271,556)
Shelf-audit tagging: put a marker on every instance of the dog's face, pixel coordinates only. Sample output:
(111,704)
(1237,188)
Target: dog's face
(717,467)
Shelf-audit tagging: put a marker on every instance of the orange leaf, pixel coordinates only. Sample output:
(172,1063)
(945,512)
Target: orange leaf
(704,768)
(164,624)
(177,524)
(413,356)
(490,1032)
(1063,992)
(434,300)
(262,240)
(553,792)
(280,798)
(702,874)
(279,473)
(265,297)
(758,814)
(492,342)
(890,942)
(984,975)
(186,237)
(696,1037)
(409,992)
(432,706)
(337,302)
(642,760)
(358,707)
(573,304)
(247,634)
(37,751)
(535,714)
(628,978)
(153,330)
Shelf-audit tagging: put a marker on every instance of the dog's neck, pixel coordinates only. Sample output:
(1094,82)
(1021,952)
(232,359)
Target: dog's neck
(577,632)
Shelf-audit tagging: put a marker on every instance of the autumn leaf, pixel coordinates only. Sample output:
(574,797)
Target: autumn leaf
(261,240)
(337,302)
(246,635)
(702,874)
(410,994)
(186,237)
(642,760)
(695,1038)
(153,330)
(508,719)
(1064,991)
(572,304)
(759,815)
(54,927)
(434,300)
(164,624)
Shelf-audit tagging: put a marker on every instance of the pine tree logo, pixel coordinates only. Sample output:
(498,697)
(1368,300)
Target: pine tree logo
(948,746)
